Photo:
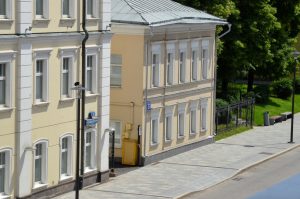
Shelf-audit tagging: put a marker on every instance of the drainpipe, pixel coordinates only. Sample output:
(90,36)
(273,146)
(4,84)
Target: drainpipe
(146,91)
(215,80)
(83,67)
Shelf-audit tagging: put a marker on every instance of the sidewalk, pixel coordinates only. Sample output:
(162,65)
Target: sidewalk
(197,169)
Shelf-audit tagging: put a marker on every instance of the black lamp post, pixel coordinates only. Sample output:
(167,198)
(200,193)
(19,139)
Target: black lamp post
(111,132)
(296,54)
(78,88)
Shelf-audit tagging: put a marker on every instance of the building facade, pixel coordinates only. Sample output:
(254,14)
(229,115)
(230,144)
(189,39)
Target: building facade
(40,59)
(162,78)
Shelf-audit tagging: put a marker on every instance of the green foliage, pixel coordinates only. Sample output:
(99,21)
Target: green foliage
(297,89)
(282,88)
(220,103)
(232,132)
(262,93)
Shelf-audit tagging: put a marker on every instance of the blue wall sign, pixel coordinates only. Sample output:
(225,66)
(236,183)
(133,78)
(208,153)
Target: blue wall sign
(91,121)
(148,105)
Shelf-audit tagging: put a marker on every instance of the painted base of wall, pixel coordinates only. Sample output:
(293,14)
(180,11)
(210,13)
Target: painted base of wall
(157,157)
(67,186)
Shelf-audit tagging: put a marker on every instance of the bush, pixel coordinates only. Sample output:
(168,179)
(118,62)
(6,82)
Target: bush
(220,103)
(297,89)
(282,88)
(262,93)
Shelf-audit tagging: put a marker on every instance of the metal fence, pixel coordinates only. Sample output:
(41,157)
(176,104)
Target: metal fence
(235,115)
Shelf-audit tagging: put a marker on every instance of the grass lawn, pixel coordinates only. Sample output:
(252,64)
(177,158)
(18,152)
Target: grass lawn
(275,106)
(232,132)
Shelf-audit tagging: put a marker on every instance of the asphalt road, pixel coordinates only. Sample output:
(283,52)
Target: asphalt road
(280,174)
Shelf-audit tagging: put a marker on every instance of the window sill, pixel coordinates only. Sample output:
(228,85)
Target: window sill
(181,137)
(41,103)
(92,19)
(192,133)
(92,95)
(203,131)
(88,170)
(154,144)
(6,21)
(67,99)
(41,21)
(65,179)
(67,20)
(39,187)
(6,109)
(112,86)
(5,196)
(168,141)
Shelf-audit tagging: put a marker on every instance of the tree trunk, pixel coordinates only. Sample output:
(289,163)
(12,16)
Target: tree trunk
(250,80)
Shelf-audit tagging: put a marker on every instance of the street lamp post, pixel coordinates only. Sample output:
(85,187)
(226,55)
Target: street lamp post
(296,54)
(78,88)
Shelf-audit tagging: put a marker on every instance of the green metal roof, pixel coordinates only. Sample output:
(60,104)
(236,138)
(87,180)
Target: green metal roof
(158,13)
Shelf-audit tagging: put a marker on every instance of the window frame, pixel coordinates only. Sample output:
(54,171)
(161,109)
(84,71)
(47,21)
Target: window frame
(92,167)
(71,10)
(8,11)
(69,174)
(114,65)
(44,164)
(42,54)
(7,166)
(181,112)
(170,63)
(193,108)
(155,73)
(95,9)
(205,61)
(7,57)
(94,52)
(168,129)
(203,117)
(117,145)
(69,52)
(45,11)
(155,113)
(182,63)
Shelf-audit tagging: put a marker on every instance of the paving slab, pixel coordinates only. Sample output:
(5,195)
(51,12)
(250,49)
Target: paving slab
(200,168)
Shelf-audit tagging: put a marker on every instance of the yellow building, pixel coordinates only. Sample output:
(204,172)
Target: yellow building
(162,78)
(40,59)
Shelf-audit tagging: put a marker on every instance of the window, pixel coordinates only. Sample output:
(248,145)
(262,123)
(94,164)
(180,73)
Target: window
(40,164)
(170,68)
(90,156)
(4,172)
(182,67)
(3,85)
(5,9)
(155,70)
(154,126)
(66,77)
(203,115)
(168,122)
(205,59)
(41,78)
(41,90)
(41,9)
(117,126)
(66,8)
(66,157)
(91,81)
(91,8)
(181,119)
(193,121)
(194,65)
(116,70)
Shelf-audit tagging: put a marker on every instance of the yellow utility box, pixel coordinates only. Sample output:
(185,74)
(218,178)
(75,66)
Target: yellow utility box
(129,151)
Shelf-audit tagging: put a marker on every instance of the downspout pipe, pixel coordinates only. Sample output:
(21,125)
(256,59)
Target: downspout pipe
(83,72)
(215,80)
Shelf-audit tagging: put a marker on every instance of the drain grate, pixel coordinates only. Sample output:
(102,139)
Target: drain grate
(266,153)
(237,179)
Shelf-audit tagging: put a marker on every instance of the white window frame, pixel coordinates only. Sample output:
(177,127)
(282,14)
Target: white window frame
(154,130)
(71,9)
(92,167)
(8,10)
(182,63)
(205,61)
(95,10)
(71,54)
(42,54)
(45,14)
(8,175)
(6,57)
(194,60)
(118,135)
(94,52)
(170,63)
(203,115)
(119,65)
(44,169)
(181,112)
(193,113)
(168,129)
(155,67)
(69,151)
